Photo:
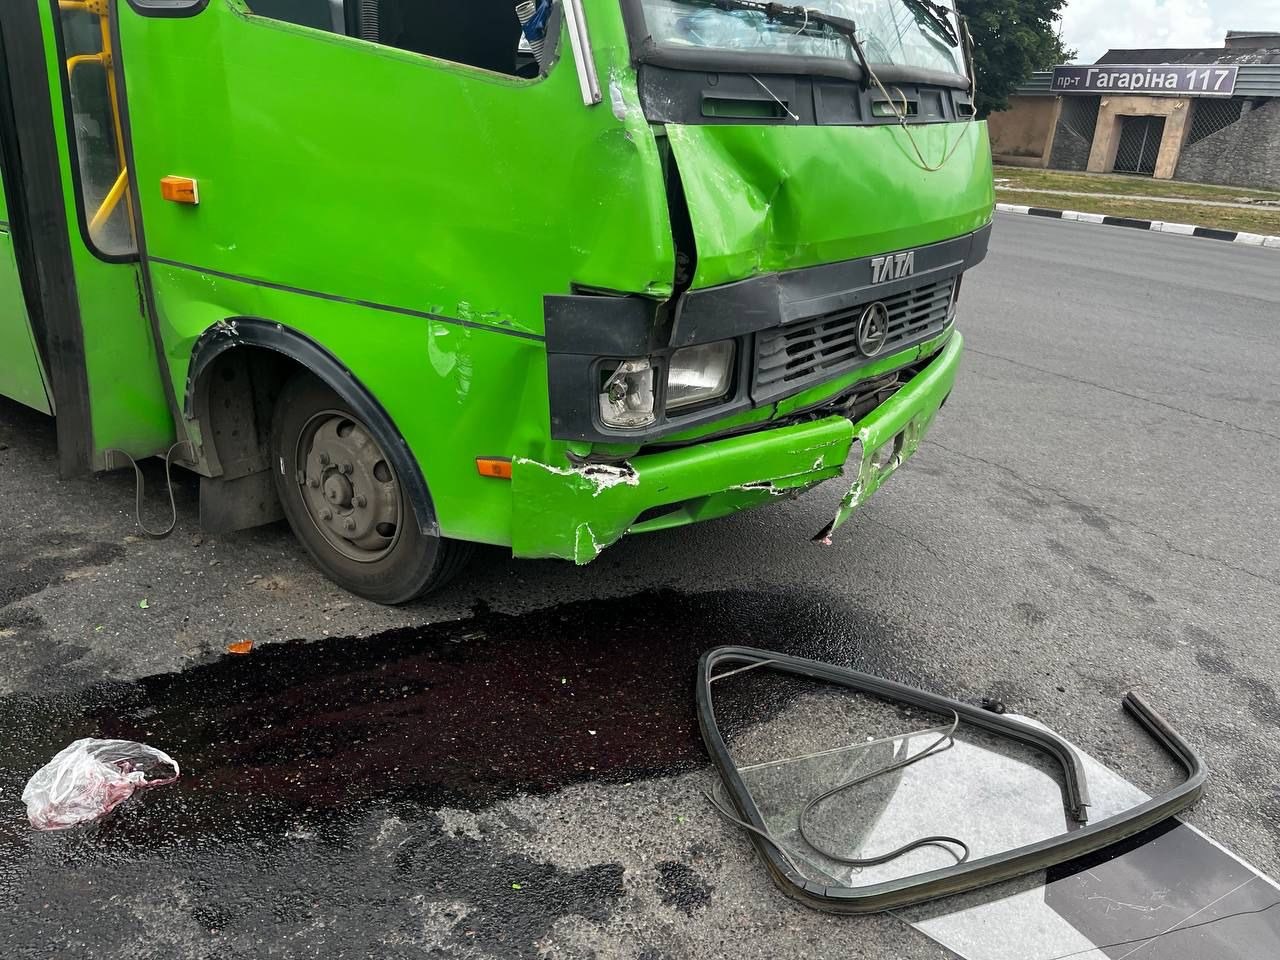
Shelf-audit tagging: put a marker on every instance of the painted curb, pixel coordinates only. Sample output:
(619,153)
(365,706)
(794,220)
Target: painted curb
(1156,226)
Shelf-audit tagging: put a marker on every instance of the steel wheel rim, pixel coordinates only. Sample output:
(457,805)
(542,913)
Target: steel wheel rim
(348,487)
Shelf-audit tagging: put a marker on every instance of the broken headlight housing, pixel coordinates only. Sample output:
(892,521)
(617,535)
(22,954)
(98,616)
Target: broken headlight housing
(627,394)
(699,373)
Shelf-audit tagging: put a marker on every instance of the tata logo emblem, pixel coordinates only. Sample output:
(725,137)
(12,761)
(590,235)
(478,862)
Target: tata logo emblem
(893,266)
(873,329)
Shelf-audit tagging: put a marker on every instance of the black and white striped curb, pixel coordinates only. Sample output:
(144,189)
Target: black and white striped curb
(1158,226)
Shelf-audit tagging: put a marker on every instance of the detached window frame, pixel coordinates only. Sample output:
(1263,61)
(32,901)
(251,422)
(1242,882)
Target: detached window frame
(970,874)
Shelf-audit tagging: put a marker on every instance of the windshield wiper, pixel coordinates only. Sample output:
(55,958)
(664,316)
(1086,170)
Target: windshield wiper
(934,15)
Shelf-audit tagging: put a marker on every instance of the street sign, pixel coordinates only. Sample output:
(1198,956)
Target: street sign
(1210,80)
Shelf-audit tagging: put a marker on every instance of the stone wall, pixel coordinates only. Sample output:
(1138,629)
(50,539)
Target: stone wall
(1023,130)
(1244,154)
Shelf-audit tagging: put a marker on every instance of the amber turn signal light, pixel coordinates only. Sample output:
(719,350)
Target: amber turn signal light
(499,467)
(179,189)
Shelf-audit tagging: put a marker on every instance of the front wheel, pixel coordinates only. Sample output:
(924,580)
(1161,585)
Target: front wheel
(345,502)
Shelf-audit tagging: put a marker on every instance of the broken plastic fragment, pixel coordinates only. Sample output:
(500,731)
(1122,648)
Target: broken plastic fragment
(90,778)
(857,494)
(240,646)
(616,100)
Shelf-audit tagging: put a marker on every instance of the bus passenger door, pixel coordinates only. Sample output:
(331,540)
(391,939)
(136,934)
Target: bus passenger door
(75,338)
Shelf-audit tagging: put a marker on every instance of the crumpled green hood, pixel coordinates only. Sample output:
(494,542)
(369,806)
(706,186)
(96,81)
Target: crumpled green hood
(764,198)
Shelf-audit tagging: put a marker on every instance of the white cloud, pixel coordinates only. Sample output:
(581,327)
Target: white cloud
(1095,26)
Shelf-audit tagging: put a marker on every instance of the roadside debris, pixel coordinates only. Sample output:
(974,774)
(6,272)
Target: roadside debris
(240,646)
(855,826)
(90,778)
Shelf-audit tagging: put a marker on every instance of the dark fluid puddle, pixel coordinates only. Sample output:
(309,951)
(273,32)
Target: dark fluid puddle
(295,734)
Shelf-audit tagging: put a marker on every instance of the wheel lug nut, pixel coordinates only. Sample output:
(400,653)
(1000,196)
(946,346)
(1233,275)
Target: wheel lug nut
(345,468)
(326,514)
(324,459)
(313,482)
(359,500)
(350,524)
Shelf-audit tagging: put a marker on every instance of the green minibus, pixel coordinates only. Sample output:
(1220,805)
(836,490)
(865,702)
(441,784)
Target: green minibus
(420,274)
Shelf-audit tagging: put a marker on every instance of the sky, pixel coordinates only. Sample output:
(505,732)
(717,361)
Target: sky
(1094,26)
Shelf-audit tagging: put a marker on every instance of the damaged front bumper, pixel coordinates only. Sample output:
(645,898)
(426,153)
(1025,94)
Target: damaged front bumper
(573,513)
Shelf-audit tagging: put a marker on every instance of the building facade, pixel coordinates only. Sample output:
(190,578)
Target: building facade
(1209,115)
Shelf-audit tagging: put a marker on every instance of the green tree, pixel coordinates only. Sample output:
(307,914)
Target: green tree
(1011,38)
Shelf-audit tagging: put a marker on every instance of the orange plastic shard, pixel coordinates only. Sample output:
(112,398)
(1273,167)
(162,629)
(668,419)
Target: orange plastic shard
(240,646)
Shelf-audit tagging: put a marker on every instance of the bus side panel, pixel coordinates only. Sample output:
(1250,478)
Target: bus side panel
(407,214)
(21,376)
(455,393)
(129,409)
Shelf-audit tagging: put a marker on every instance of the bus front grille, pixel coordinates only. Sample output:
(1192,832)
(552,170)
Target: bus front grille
(824,346)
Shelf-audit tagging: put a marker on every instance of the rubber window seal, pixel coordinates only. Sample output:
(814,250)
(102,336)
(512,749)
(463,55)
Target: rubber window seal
(971,874)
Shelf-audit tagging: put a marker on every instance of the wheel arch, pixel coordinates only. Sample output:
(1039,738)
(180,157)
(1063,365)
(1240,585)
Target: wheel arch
(258,337)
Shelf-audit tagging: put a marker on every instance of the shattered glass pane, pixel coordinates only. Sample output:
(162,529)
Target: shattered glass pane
(991,794)
(959,792)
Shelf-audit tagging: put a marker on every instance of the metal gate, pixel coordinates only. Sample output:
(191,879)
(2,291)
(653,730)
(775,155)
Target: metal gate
(1139,145)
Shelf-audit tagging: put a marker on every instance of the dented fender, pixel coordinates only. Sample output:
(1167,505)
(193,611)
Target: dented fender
(765,198)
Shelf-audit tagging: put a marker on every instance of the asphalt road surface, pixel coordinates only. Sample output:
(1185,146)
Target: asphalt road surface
(512,769)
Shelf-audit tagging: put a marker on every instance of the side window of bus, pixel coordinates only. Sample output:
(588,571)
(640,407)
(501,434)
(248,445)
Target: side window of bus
(480,33)
(97,146)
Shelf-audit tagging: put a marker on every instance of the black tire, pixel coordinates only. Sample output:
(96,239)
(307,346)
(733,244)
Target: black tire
(386,557)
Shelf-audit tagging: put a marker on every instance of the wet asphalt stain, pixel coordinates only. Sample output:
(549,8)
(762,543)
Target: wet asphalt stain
(460,714)
(30,565)
(294,754)
(1106,578)
(26,640)
(1262,695)
(505,919)
(680,887)
(1030,614)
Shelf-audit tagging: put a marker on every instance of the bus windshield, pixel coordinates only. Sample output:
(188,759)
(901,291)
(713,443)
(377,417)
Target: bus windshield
(900,32)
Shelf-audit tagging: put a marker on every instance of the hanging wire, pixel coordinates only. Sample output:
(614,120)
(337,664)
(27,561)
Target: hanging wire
(945,741)
(140,488)
(793,116)
(902,119)
(901,115)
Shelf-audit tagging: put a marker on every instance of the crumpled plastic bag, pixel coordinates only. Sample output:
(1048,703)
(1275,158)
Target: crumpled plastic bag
(90,778)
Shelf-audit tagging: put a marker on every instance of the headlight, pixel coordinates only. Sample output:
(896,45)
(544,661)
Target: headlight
(699,373)
(626,395)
